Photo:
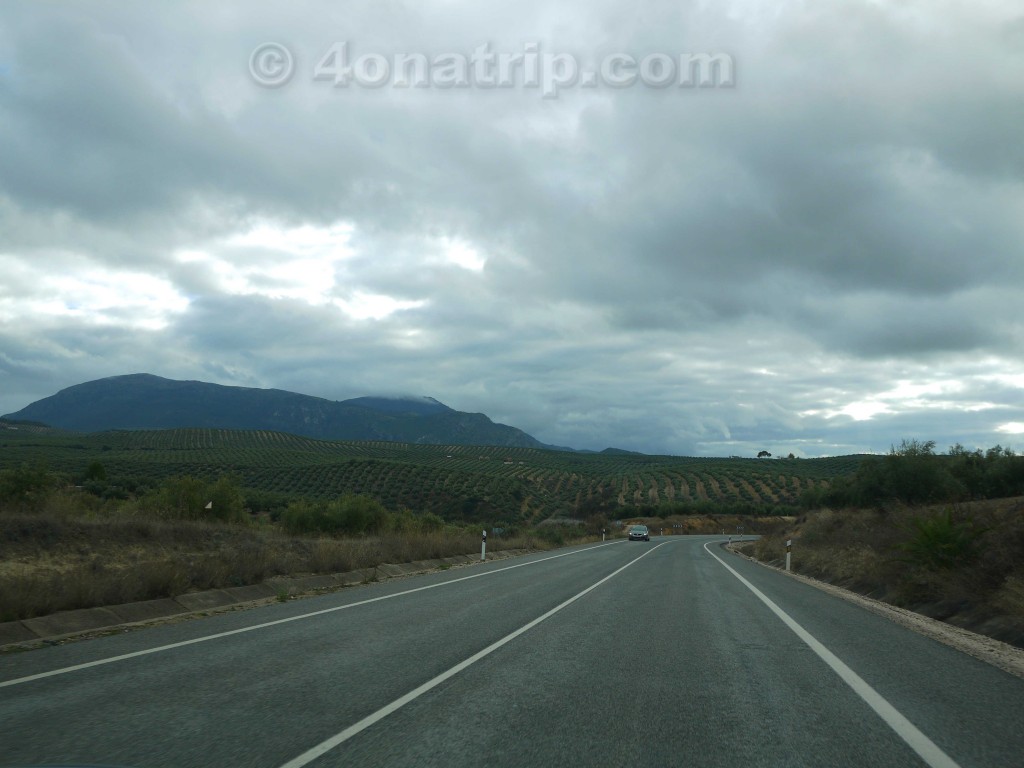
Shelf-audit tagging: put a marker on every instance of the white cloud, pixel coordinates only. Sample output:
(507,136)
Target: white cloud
(92,295)
(464,255)
(363,306)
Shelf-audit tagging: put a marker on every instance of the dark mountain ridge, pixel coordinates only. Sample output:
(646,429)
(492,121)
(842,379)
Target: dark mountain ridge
(145,401)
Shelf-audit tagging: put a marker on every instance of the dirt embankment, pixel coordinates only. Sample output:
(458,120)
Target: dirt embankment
(962,565)
(995,652)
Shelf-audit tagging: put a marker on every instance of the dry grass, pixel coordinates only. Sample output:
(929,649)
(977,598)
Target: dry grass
(52,562)
(962,564)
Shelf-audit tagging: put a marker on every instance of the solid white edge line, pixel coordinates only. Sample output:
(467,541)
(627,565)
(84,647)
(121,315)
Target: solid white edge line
(326,746)
(925,748)
(205,638)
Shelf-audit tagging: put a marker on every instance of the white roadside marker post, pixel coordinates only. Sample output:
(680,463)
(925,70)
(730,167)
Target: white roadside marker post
(602,534)
(789,552)
(483,547)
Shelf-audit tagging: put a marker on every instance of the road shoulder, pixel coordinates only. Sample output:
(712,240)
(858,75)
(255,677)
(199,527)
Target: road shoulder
(999,654)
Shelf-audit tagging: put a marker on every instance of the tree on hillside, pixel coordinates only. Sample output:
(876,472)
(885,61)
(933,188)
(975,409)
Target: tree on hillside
(763,455)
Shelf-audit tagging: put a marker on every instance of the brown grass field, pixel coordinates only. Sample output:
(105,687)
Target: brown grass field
(50,562)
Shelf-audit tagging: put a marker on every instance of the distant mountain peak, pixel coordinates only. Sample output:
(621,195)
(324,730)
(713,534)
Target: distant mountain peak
(145,401)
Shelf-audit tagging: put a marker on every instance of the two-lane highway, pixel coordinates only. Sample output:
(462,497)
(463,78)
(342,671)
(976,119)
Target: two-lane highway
(672,652)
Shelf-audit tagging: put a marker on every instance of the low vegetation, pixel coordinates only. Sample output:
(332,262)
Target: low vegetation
(914,473)
(52,563)
(458,483)
(926,531)
(62,549)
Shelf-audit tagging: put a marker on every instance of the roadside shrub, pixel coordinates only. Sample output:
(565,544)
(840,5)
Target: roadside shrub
(431,522)
(770,549)
(407,521)
(26,488)
(191,498)
(272,502)
(939,542)
(95,472)
(179,497)
(347,515)
(812,497)
(226,500)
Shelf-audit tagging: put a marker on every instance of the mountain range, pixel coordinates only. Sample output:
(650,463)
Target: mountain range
(145,401)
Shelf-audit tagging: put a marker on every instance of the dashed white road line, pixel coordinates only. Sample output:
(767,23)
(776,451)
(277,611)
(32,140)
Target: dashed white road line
(340,738)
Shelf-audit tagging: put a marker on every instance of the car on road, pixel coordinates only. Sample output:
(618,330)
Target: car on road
(639,533)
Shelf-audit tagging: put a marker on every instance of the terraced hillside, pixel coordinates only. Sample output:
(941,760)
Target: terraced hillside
(457,482)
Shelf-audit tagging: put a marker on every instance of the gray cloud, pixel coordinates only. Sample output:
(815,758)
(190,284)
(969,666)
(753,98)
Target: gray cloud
(788,262)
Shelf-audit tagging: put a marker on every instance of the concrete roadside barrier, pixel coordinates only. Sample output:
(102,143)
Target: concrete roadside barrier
(148,609)
(353,578)
(201,601)
(65,622)
(251,592)
(13,632)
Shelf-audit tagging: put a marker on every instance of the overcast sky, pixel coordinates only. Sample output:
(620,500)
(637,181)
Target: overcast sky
(821,251)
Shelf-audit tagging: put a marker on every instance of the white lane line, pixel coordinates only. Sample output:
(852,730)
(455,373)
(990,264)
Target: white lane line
(926,749)
(326,746)
(254,627)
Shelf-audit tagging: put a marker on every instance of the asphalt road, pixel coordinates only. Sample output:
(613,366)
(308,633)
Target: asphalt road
(667,653)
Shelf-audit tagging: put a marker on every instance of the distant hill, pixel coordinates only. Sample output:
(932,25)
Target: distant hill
(34,427)
(144,401)
(458,482)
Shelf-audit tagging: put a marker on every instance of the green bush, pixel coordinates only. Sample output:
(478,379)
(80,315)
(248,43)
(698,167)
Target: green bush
(914,473)
(179,497)
(226,501)
(940,542)
(95,471)
(26,488)
(352,515)
(191,498)
(430,522)
(813,497)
